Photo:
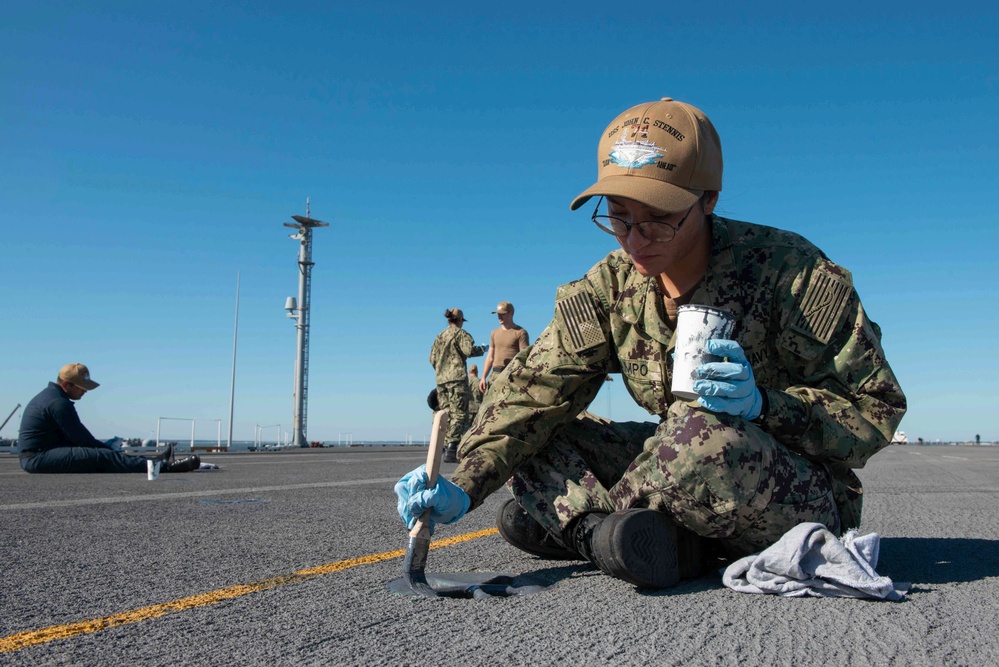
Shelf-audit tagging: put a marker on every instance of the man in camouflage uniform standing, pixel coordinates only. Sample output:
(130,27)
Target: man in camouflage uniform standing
(803,394)
(447,355)
(475,392)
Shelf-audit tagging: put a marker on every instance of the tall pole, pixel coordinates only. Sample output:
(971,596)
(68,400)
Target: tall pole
(301,342)
(232,386)
(300,312)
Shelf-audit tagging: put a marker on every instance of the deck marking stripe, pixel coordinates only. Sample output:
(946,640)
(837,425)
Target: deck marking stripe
(30,638)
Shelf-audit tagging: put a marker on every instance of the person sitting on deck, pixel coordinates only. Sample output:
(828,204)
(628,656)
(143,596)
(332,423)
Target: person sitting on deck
(52,438)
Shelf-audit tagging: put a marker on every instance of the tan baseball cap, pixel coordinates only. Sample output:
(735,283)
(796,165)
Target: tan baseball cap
(79,375)
(663,154)
(455,314)
(503,307)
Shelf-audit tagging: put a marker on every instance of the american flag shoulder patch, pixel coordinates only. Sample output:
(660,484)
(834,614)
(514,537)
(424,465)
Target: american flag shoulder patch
(581,328)
(821,309)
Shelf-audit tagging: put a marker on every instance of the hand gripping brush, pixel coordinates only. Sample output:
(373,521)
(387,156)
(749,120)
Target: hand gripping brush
(414,564)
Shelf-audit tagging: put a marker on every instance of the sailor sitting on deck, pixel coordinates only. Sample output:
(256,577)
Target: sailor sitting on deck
(798,395)
(53,439)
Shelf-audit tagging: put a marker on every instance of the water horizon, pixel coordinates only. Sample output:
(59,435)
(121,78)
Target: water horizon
(183,445)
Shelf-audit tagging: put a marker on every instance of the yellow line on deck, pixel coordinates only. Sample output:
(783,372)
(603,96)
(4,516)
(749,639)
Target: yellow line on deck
(30,638)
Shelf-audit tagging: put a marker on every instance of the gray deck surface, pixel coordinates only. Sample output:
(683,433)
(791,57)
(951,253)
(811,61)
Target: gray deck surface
(75,549)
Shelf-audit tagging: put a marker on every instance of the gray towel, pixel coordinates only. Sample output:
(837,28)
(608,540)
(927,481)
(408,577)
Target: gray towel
(810,560)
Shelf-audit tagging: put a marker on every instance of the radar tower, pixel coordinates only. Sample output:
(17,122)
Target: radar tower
(299,312)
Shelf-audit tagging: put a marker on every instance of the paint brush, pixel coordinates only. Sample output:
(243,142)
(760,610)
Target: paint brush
(415,562)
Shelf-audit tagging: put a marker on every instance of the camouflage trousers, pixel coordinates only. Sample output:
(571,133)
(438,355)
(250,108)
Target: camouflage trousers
(719,476)
(453,397)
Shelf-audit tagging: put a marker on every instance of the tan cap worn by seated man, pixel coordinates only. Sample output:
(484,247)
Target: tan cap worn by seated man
(79,375)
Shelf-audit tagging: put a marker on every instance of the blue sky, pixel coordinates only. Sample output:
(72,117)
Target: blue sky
(150,151)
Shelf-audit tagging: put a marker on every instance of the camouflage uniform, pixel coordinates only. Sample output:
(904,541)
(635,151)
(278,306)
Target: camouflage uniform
(474,395)
(447,355)
(832,400)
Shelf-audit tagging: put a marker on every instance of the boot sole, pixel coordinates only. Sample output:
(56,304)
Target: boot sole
(638,546)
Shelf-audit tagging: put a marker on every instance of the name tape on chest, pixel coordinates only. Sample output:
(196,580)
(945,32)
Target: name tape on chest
(640,369)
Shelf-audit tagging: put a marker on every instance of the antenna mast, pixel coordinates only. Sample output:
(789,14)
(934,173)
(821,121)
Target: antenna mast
(299,312)
(232,385)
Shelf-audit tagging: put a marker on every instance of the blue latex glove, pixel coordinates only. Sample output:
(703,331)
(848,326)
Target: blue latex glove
(447,501)
(728,386)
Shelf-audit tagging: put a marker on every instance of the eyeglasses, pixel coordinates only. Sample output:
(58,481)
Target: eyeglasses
(653,230)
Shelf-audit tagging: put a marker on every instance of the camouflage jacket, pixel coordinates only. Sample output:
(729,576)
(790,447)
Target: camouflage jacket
(832,396)
(449,351)
(474,393)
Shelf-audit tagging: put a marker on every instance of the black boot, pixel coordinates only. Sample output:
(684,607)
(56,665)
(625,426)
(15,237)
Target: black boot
(521,530)
(186,464)
(640,546)
(166,456)
(451,453)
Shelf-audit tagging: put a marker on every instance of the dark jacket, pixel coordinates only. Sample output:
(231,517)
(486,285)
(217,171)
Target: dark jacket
(50,420)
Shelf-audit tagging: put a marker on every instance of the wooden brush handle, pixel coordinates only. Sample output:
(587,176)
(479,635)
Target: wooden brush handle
(434,455)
